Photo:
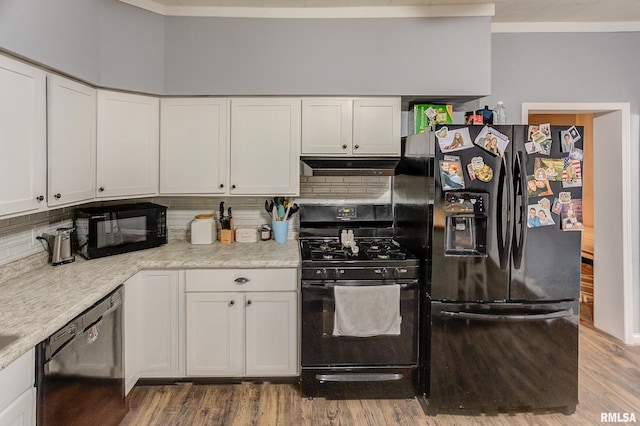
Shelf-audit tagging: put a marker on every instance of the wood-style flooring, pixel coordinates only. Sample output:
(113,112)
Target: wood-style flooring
(609,380)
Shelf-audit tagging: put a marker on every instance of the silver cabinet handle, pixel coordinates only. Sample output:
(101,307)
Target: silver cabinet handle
(249,302)
(101,189)
(40,198)
(242,280)
(231,303)
(57,196)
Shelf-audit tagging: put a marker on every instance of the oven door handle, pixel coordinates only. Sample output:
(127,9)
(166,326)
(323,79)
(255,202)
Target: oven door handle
(509,317)
(404,285)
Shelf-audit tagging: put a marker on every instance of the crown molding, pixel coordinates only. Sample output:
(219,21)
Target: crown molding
(564,27)
(433,11)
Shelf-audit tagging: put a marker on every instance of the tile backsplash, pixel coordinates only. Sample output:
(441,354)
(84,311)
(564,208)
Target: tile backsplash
(18,235)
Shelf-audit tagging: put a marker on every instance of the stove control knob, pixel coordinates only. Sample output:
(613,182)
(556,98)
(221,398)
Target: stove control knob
(384,273)
(324,274)
(336,273)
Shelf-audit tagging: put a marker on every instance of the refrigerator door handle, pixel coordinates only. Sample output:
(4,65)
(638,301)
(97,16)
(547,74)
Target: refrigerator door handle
(520,188)
(502,220)
(507,317)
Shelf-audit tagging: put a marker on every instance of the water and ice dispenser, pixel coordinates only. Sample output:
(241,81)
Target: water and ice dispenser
(466,224)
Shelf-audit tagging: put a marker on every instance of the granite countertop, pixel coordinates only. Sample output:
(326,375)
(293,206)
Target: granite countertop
(37,303)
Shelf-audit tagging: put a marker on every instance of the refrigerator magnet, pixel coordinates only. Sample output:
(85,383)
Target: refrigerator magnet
(471,172)
(544,203)
(451,173)
(576,153)
(572,173)
(545,129)
(552,167)
(455,140)
(557,206)
(566,141)
(539,216)
(575,135)
(492,141)
(531,147)
(565,197)
(531,131)
(538,187)
(572,216)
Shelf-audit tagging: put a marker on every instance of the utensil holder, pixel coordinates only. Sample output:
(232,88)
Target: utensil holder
(280,230)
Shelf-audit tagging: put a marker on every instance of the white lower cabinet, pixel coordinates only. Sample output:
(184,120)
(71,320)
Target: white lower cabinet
(17,392)
(154,326)
(242,332)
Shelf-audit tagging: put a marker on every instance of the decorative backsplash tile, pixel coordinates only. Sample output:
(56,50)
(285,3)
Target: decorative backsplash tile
(18,235)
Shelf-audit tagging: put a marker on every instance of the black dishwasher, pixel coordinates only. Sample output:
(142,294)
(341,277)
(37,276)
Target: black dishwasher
(79,368)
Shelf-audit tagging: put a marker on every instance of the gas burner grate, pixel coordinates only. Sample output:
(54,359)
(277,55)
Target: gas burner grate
(328,255)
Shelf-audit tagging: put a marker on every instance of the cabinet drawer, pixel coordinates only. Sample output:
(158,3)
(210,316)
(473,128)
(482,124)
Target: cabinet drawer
(241,280)
(16,378)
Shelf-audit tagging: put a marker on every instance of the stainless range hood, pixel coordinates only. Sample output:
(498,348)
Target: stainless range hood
(349,166)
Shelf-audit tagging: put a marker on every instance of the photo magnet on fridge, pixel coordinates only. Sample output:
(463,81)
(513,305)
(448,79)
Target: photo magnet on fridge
(492,141)
(572,173)
(546,130)
(538,187)
(451,173)
(454,140)
(539,216)
(571,215)
(531,131)
(552,168)
(566,141)
(556,207)
(575,135)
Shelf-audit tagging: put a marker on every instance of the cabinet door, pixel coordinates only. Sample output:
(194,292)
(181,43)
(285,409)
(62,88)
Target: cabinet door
(159,350)
(376,126)
(271,334)
(326,126)
(23,138)
(215,331)
(128,145)
(265,146)
(22,411)
(194,139)
(71,141)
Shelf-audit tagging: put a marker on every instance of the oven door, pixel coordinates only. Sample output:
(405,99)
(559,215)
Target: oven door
(320,348)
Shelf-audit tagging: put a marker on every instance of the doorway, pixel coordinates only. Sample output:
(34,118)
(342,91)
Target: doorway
(615,213)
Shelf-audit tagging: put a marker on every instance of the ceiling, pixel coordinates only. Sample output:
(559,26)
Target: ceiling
(506,11)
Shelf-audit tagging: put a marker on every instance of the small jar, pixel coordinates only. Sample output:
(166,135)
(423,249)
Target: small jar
(203,229)
(265,232)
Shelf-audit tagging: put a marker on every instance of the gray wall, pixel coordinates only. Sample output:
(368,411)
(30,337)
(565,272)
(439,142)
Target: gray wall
(328,56)
(104,42)
(564,67)
(112,44)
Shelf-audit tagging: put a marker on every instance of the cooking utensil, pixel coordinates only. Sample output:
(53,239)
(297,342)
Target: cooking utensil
(268,207)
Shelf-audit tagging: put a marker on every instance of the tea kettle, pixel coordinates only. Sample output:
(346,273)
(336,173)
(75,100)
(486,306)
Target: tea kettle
(59,246)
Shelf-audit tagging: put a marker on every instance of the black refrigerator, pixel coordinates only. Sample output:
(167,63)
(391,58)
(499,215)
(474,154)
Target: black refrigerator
(493,211)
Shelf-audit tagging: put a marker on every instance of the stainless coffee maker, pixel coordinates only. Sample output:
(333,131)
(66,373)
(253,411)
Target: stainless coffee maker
(59,246)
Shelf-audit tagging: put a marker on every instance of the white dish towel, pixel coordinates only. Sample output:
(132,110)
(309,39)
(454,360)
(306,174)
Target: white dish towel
(365,311)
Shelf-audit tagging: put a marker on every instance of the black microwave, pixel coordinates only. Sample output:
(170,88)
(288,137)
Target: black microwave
(116,229)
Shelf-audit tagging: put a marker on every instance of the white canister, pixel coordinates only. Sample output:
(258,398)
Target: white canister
(203,229)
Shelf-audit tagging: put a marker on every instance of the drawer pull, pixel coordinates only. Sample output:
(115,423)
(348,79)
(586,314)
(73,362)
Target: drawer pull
(231,303)
(241,280)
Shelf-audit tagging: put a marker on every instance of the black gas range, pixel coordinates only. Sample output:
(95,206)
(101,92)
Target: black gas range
(366,258)
(351,261)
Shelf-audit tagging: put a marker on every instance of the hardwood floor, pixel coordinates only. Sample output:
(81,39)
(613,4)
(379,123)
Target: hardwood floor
(609,380)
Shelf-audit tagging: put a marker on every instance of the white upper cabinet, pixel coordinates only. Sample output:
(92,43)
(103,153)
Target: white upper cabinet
(128,145)
(348,126)
(23,138)
(194,145)
(265,146)
(71,142)
(376,126)
(327,126)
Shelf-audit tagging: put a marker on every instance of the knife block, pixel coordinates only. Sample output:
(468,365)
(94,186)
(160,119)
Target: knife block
(226,235)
